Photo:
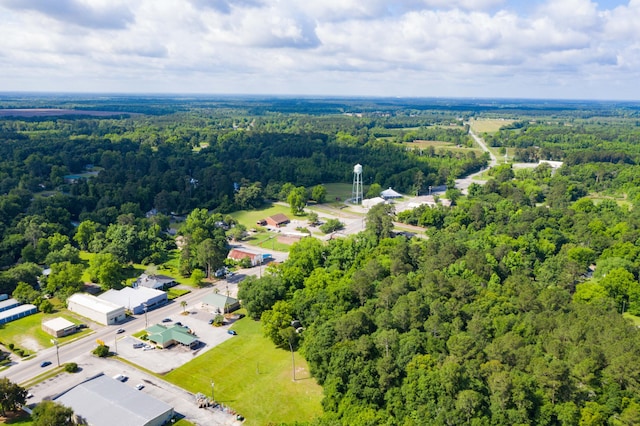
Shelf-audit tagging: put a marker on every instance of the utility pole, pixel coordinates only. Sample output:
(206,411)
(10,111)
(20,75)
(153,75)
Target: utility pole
(146,323)
(293,360)
(55,342)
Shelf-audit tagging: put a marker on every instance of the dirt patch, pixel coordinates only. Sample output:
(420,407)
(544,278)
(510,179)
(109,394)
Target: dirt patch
(30,343)
(288,240)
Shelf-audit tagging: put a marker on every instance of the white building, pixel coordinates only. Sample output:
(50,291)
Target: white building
(59,327)
(100,311)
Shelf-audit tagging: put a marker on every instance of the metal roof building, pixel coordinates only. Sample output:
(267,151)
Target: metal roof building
(168,336)
(136,298)
(221,303)
(17,312)
(103,401)
(101,311)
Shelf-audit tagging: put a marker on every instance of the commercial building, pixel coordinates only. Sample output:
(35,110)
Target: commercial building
(17,312)
(104,401)
(136,299)
(158,282)
(59,327)
(277,220)
(256,258)
(169,336)
(7,304)
(96,309)
(220,303)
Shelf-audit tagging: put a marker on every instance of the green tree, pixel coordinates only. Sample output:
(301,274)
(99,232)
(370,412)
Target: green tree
(374,191)
(212,252)
(319,193)
(85,233)
(50,413)
(297,200)
(249,197)
(331,225)
(275,320)
(25,293)
(65,279)
(197,277)
(12,396)
(105,269)
(379,221)
(45,306)
(101,351)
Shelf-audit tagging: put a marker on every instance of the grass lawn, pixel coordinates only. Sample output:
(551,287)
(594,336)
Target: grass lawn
(254,378)
(341,191)
(19,419)
(249,217)
(27,333)
(174,293)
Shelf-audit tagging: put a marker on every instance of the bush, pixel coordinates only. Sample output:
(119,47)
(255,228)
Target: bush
(102,351)
(71,367)
(11,346)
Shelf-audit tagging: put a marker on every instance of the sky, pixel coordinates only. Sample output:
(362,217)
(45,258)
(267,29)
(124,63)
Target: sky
(556,49)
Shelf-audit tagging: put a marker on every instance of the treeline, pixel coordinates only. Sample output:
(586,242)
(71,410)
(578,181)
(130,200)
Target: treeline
(497,318)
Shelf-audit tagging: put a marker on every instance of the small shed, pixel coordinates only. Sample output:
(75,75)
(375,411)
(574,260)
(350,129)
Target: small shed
(220,303)
(59,327)
(278,220)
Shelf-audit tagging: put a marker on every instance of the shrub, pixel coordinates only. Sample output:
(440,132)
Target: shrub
(71,367)
(102,351)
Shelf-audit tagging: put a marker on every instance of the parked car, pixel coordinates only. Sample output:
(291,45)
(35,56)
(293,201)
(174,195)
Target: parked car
(232,332)
(139,386)
(45,364)
(120,331)
(138,345)
(120,377)
(166,320)
(210,321)
(179,323)
(29,395)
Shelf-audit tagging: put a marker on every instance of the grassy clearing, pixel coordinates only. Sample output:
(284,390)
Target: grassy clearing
(26,333)
(254,378)
(249,217)
(440,146)
(488,125)
(634,319)
(17,419)
(183,422)
(174,293)
(339,192)
(622,201)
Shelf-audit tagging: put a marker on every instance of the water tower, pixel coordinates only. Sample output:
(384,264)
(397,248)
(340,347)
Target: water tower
(356,192)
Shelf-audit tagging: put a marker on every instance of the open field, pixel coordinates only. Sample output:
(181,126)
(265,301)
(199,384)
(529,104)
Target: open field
(249,217)
(254,378)
(488,125)
(339,192)
(440,146)
(26,333)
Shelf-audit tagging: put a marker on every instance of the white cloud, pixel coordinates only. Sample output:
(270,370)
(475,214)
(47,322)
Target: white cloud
(319,46)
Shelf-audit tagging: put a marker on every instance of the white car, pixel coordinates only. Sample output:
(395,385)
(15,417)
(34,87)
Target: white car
(120,377)
(139,386)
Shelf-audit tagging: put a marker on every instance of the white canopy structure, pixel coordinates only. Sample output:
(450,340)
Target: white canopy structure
(390,193)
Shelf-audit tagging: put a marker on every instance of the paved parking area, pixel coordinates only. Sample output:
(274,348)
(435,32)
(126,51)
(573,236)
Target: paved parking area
(182,401)
(164,360)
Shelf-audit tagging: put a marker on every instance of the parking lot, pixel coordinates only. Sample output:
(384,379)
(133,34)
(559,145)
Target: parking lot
(164,360)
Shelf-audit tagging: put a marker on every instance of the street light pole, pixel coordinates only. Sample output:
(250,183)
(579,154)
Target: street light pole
(146,323)
(55,342)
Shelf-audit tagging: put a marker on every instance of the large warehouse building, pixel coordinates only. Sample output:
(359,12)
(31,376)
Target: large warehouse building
(98,310)
(104,401)
(136,299)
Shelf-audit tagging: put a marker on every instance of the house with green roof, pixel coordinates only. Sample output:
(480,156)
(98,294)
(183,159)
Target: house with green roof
(169,336)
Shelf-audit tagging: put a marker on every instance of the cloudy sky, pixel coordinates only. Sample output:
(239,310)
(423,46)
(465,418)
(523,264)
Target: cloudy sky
(572,49)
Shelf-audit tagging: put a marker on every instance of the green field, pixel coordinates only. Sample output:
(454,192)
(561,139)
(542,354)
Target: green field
(341,191)
(249,218)
(488,125)
(254,378)
(26,333)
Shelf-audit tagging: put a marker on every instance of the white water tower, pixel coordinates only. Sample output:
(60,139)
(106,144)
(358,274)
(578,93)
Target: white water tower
(356,191)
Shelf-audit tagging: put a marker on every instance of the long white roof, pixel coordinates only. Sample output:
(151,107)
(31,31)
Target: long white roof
(94,303)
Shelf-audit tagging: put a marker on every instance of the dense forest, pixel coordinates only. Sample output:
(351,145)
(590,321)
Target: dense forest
(515,307)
